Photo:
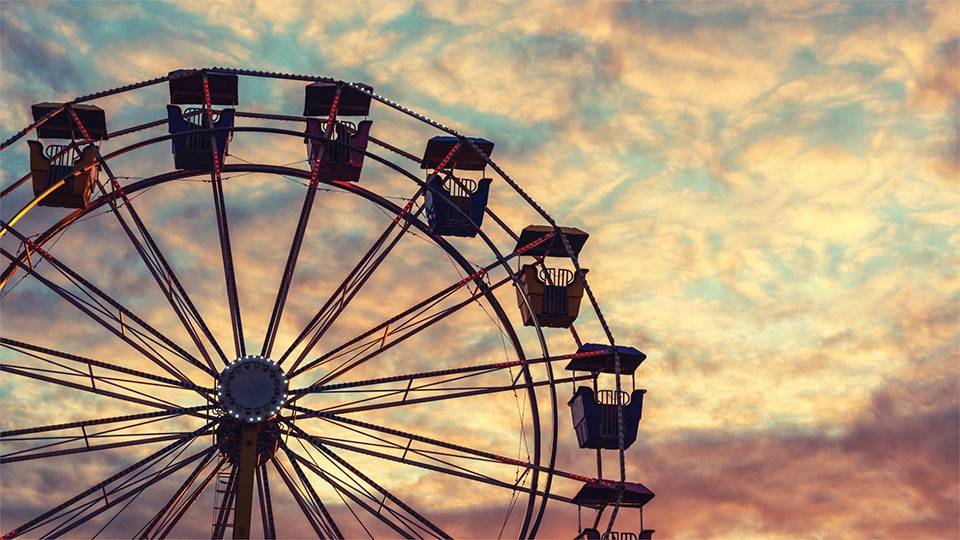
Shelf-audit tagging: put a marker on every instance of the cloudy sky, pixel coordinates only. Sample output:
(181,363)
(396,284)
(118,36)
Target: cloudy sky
(771,192)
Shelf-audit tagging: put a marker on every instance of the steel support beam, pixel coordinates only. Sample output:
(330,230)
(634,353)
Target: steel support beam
(243,502)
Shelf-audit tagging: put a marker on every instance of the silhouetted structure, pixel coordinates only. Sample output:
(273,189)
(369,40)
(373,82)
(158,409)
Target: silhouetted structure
(251,412)
(73,161)
(454,203)
(595,411)
(554,293)
(192,126)
(337,146)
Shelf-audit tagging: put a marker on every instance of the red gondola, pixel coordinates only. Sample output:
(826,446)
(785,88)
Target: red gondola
(343,157)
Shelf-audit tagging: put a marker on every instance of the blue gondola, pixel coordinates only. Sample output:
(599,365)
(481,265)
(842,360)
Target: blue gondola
(455,206)
(595,417)
(191,145)
(343,158)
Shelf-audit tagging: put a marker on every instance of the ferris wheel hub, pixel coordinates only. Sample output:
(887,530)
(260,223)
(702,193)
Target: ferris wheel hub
(252,389)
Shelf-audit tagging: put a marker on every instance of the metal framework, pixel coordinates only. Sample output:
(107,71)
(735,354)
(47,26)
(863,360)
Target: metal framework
(323,438)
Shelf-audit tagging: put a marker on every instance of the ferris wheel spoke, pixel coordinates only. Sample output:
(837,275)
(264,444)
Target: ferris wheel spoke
(135,438)
(91,289)
(353,282)
(111,381)
(160,269)
(204,455)
(226,253)
(387,495)
(291,264)
(327,519)
(357,387)
(407,329)
(405,324)
(172,521)
(384,326)
(419,308)
(169,508)
(479,368)
(440,458)
(126,333)
(433,467)
(20,456)
(266,503)
(101,421)
(223,229)
(147,461)
(468,452)
(383,491)
(436,387)
(314,517)
(297,242)
(100,391)
(22,346)
(354,494)
(133,490)
(459,394)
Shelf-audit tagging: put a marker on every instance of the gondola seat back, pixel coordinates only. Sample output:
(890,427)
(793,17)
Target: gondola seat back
(343,156)
(595,417)
(191,141)
(455,206)
(554,295)
(79,172)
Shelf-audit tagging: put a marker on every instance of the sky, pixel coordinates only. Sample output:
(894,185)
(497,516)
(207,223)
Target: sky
(771,192)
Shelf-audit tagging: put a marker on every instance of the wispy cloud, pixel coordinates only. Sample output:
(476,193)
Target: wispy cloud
(770,189)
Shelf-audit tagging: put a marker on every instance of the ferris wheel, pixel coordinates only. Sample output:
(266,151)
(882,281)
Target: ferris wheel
(397,412)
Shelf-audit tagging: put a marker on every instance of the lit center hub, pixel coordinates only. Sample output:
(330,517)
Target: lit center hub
(252,389)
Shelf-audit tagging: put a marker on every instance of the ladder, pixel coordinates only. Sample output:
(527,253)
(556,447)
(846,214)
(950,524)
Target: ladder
(223,504)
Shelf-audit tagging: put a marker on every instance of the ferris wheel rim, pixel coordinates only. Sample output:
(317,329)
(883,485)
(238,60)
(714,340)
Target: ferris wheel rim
(175,175)
(500,257)
(422,118)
